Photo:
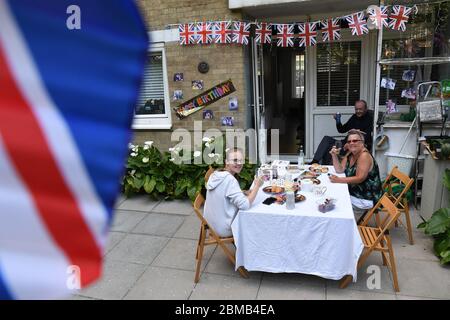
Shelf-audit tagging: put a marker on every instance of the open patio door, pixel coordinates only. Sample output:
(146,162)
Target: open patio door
(258,101)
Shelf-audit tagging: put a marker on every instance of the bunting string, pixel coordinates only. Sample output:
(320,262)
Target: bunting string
(305,34)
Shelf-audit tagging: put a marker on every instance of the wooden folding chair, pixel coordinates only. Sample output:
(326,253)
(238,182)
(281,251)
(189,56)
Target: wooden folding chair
(377,238)
(208,174)
(208,236)
(396,177)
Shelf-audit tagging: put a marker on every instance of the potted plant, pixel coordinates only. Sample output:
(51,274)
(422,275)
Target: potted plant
(438,226)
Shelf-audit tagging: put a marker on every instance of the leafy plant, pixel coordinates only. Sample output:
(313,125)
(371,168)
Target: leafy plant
(438,226)
(176,174)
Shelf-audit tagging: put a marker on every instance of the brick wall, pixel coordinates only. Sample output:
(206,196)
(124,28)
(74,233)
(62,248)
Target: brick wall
(225,62)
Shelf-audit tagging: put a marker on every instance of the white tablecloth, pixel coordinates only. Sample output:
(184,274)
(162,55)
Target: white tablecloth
(304,240)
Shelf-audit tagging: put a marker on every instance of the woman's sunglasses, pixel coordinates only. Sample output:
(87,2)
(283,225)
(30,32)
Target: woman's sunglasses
(354,140)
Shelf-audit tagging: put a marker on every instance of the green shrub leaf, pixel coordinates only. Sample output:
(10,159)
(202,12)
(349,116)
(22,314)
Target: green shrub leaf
(149,184)
(447,179)
(160,186)
(439,222)
(445,257)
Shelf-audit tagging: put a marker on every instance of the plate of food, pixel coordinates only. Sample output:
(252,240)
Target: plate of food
(273,189)
(313,180)
(317,168)
(309,174)
(281,198)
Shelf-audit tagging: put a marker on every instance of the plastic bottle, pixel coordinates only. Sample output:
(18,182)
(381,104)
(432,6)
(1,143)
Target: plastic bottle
(290,200)
(338,117)
(301,158)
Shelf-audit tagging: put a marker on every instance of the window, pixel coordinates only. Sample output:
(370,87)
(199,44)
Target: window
(153,107)
(338,73)
(298,76)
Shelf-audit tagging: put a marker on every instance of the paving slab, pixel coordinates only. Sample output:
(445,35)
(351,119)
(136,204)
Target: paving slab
(137,248)
(218,287)
(422,249)
(424,279)
(138,203)
(219,263)
(298,278)
(117,279)
(158,224)
(190,229)
(125,221)
(163,283)
(183,207)
(180,254)
(403,297)
(121,198)
(362,284)
(273,289)
(347,294)
(113,239)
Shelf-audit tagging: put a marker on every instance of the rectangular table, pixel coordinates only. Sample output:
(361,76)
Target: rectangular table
(271,238)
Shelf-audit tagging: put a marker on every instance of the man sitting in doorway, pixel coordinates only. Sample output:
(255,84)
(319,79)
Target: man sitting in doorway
(362,120)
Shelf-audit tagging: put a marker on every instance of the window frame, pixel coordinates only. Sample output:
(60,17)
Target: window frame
(157,121)
(361,73)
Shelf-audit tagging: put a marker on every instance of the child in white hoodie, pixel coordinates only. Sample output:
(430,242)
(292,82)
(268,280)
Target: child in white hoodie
(224,197)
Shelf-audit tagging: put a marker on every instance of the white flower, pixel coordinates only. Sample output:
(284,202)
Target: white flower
(145,160)
(135,149)
(206,139)
(197,153)
(130,146)
(146,147)
(211,155)
(171,149)
(172,159)
(148,143)
(133,154)
(207,145)
(133,172)
(226,150)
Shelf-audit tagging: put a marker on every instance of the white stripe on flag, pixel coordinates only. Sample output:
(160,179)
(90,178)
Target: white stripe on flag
(31,264)
(59,138)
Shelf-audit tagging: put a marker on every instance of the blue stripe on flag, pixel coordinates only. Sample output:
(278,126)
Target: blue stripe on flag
(4,292)
(92,75)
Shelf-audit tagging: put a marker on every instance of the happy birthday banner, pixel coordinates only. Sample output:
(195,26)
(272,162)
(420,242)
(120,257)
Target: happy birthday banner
(202,100)
(238,32)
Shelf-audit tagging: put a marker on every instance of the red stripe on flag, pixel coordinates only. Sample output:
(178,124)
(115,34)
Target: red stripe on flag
(27,146)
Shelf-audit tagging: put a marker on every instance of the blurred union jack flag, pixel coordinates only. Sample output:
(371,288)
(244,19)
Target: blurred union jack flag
(307,34)
(331,30)
(399,17)
(242,32)
(357,24)
(66,106)
(263,33)
(188,33)
(285,35)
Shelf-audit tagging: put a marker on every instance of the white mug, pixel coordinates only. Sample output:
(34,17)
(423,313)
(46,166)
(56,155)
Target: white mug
(307,185)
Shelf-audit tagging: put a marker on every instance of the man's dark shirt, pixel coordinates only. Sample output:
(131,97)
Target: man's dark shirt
(365,124)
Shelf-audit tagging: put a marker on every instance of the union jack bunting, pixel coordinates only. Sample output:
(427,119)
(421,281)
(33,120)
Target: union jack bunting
(61,166)
(357,24)
(307,34)
(285,35)
(205,32)
(263,33)
(241,32)
(224,32)
(188,33)
(399,17)
(331,29)
(379,16)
